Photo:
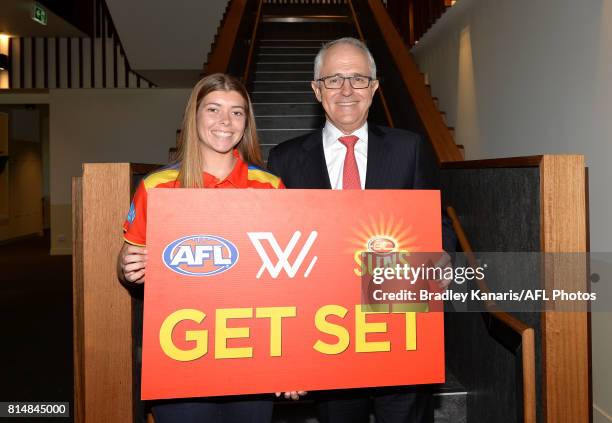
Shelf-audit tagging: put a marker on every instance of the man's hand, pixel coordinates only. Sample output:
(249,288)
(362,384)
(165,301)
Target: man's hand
(444,263)
(131,263)
(294,395)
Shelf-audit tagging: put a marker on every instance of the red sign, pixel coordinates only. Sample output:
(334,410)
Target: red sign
(254,291)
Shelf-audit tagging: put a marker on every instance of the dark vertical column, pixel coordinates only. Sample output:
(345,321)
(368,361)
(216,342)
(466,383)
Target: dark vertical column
(69,61)
(96,34)
(98,25)
(33,60)
(392,10)
(411,38)
(404,20)
(21,63)
(103,49)
(92,65)
(127,69)
(57,63)
(11,72)
(80,62)
(115,65)
(46,62)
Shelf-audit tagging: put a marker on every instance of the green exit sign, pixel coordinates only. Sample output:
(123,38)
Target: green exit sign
(39,14)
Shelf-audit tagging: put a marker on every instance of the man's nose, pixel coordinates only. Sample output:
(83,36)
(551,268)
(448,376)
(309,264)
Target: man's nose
(346,88)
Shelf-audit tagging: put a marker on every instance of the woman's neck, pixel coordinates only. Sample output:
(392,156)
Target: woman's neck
(218,165)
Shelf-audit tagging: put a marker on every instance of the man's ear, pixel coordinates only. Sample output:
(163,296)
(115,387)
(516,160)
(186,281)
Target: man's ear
(317,91)
(374,86)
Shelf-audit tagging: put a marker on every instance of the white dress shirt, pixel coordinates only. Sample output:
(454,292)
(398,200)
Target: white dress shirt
(335,153)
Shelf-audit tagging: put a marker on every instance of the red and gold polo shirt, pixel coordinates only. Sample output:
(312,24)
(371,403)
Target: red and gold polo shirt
(242,175)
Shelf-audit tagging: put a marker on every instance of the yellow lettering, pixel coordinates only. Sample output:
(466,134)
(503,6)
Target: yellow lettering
(276,315)
(362,328)
(411,340)
(359,271)
(331,329)
(223,333)
(199,336)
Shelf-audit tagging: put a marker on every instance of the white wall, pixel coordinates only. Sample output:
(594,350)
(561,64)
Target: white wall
(528,77)
(100,126)
(122,125)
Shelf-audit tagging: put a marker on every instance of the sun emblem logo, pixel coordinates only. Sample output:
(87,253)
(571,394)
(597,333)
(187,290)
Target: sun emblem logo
(382,237)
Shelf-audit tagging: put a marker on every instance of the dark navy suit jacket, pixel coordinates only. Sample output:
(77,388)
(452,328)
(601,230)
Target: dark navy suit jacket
(397,159)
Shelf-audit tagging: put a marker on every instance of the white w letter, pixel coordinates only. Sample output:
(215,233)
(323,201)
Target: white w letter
(282,256)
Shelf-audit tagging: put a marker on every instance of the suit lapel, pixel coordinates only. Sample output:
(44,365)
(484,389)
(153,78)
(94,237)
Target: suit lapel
(314,162)
(377,151)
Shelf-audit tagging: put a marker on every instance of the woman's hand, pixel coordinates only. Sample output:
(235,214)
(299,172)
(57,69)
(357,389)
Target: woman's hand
(294,395)
(131,263)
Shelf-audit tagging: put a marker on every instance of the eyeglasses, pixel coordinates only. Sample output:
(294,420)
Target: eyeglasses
(335,82)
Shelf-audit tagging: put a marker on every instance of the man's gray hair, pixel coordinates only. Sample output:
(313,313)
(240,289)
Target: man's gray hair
(346,40)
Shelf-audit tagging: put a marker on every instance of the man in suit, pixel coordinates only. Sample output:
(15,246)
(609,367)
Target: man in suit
(347,153)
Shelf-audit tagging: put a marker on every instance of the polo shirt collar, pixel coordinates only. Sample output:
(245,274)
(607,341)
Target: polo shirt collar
(237,177)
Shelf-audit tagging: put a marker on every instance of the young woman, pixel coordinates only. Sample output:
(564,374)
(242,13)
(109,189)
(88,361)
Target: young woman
(218,149)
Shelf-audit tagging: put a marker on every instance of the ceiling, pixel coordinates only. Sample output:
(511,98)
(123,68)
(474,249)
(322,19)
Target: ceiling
(167,41)
(16,21)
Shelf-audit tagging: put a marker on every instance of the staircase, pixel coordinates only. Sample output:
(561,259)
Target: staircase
(285,107)
(284,104)
(94,61)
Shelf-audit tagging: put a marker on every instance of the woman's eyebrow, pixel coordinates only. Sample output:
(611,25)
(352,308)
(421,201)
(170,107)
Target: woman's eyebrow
(219,105)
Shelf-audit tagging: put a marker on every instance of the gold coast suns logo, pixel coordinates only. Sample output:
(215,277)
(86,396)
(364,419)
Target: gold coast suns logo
(377,242)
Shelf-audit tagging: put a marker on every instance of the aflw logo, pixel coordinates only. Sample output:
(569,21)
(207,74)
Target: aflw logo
(283,255)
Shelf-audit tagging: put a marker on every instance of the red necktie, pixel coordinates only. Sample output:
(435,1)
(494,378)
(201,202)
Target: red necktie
(350,173)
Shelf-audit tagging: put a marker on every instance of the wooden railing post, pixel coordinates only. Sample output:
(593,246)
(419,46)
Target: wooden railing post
(102,307)
(565,344)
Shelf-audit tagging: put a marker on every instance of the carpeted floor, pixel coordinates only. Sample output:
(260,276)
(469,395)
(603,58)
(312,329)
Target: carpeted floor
(35,324)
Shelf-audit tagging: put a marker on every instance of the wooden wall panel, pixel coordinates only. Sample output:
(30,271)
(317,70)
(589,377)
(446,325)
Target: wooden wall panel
(77,297)
(565,334)
(107,332)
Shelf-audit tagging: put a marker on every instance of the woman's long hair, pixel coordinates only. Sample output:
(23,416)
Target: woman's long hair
(189,151)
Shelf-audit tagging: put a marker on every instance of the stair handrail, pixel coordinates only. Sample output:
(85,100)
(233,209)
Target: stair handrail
(526,332)
(413,18)
(106,21)
(247,67)
(380,89)
(438,133)
(219,57)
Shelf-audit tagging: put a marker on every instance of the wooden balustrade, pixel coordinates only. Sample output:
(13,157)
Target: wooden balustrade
(247,68)
(220,54)
(413,18)
(526,333)
(385,38)
(551,218)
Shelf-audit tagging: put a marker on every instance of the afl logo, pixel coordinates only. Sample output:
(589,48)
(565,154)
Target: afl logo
(200,255)
(381,245)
